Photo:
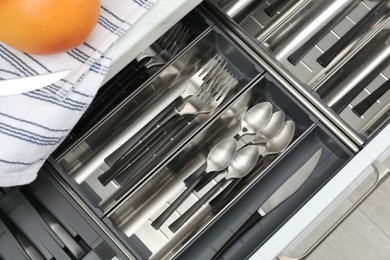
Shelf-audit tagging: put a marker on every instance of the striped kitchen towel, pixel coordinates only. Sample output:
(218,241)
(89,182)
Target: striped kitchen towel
(33,124)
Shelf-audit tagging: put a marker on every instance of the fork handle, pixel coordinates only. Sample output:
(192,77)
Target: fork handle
(132,173)
(139,149)
(143,133)
(178,201)
(195,207)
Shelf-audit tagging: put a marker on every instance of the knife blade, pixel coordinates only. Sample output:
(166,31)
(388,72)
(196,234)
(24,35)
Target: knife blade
(287,189)
(25,243)
(20,85)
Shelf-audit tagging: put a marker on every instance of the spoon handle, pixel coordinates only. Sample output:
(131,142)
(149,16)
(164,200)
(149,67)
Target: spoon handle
(224,197)
(195,207)
(206,179)
(178,201)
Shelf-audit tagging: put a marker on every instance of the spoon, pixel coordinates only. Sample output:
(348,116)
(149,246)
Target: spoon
(279,142)
(272,128)
(219,157)
(275,145)
(255,119)
(241,165)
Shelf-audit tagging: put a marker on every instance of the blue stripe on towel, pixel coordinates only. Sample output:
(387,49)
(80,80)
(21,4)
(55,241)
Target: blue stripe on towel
(35,124)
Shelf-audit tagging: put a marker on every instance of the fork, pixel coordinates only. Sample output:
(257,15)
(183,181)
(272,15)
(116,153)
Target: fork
(215,85)
(169,44)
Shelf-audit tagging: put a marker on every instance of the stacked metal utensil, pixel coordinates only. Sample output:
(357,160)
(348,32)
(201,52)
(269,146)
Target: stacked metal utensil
(235,158)
(139,154)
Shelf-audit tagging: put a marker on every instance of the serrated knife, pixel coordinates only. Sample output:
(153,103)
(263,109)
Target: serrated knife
(287,189)
(21,85)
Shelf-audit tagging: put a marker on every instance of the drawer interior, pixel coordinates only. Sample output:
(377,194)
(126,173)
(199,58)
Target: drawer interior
(29,216)
(316,43)
(132,219)
(88,158)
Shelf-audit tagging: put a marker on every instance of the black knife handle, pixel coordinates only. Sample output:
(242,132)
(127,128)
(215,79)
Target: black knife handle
(364,23)
(196,206)
(343,102)
(142,134)
(255,218)
(274,8)
(178,201)
(139,149)
(298,54)
(133,173)
(366,103)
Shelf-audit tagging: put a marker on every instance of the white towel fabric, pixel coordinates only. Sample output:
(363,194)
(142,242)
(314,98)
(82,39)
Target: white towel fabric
(33,124)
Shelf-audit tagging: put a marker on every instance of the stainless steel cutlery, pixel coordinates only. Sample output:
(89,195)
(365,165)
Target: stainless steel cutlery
(216,82)
(286,190)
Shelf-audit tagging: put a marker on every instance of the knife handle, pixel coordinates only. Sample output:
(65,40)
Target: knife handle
(142,134)
(366,103)
(255,218)
(352,34)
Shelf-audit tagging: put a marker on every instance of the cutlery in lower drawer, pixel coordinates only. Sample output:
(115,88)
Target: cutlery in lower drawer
(280,195)
(71,245)
(26,244)
(363,25)
(366,103)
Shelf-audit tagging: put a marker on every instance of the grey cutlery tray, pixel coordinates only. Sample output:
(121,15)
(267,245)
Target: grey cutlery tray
(128,211)
(84,162)
(204,232)
(297,22)
(48,192)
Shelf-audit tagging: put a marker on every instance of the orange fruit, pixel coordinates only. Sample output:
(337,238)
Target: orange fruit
(47,26)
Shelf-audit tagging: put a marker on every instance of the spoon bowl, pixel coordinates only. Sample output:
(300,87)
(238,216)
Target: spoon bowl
(271,129)
(255,119)
(243,162)
(280,141)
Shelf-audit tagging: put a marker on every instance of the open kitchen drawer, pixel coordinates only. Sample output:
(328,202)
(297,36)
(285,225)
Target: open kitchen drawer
(42,221)
(133,195)
(337,50)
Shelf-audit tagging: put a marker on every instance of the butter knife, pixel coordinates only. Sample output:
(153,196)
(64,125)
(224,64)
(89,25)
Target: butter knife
(20,85)
(287,189)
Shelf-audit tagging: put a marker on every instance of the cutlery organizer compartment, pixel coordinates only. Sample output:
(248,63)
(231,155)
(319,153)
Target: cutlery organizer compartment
(43,219)
(323,44)
(226,69)
(133,218)
(333,156)
(153,59)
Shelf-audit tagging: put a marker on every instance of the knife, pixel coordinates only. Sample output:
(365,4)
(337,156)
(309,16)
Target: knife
(20,85)
(70,243)
(287,189)
(29,248)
